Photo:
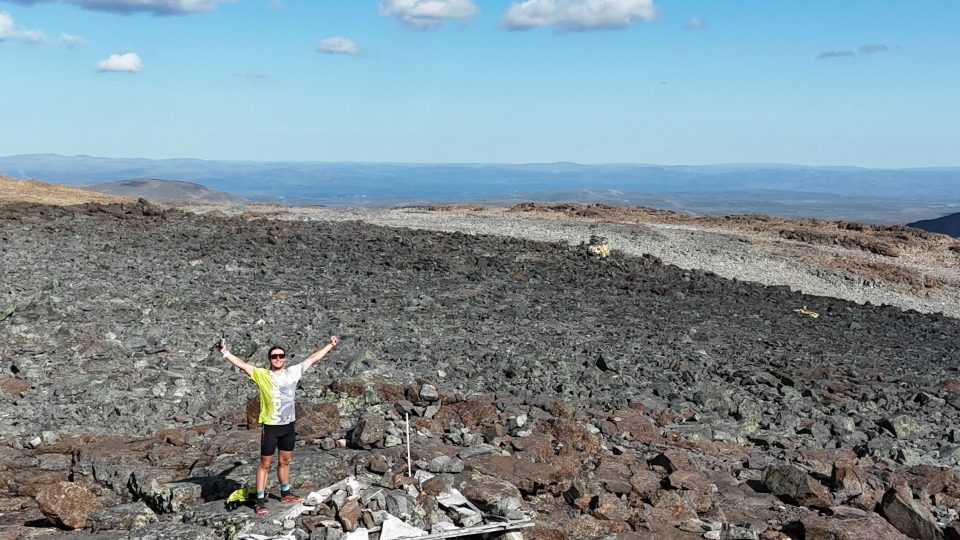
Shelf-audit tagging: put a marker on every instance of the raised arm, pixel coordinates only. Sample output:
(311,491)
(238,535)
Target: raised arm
(235,360)
(320,353)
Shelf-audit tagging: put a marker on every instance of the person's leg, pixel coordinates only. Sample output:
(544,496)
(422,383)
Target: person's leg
(268,445)
(283,468)
(286,444)
(262,471)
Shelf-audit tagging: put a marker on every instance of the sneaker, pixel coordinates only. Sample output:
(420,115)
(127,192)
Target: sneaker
(288,497)
(260,506)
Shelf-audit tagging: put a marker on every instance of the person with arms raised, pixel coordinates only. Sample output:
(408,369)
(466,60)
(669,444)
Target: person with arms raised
(277,386)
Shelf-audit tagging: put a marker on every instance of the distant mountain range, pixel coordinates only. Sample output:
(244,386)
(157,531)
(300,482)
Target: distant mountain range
(949,225)
(870,195)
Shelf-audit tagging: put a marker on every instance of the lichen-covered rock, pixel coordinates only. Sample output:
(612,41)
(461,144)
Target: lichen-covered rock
(123,517)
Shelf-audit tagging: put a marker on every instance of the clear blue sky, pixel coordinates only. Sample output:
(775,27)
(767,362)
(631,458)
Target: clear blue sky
(873,83)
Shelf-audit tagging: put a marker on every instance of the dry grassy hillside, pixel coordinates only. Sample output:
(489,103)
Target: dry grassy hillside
(33,191)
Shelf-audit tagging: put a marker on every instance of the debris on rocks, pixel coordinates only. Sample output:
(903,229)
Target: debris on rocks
(807,313)
(598,246)
(363,510)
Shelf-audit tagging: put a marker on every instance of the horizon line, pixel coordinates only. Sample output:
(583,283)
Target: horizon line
(495,163)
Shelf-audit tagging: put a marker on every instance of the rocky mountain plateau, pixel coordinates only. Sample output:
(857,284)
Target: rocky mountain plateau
(600,392)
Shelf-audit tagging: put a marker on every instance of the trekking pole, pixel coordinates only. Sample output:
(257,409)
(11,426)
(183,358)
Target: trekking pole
(409,467)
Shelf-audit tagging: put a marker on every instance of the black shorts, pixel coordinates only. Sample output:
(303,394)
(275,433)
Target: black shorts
(274,437)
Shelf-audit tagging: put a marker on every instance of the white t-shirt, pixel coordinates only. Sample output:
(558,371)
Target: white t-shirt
(277,391)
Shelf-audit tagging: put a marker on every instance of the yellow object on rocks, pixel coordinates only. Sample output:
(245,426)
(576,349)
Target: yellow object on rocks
(598,246)
(238,497)
(806,312)
(602,251)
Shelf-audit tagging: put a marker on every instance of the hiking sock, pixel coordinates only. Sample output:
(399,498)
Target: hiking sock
(284,488)
(261,495)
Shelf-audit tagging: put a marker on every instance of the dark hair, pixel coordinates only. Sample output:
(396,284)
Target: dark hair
(273,348)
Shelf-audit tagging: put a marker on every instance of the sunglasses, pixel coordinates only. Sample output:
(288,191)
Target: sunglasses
(276,356)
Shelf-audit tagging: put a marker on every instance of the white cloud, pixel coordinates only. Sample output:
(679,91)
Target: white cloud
(9,30)
(126,62)
(578,15)
(71,41)
(6,26)
(338,45)
(33,37)
(695,23)
(428,14)
(157,7)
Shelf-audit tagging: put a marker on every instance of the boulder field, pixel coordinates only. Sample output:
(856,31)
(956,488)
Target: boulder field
(603,396)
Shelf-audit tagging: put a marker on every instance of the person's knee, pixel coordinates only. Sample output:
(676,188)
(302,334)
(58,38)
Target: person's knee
(265,461)
(285,459)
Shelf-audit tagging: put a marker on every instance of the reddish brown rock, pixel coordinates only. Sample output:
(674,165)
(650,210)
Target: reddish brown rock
(30,482)
(611,508)
(447,419)
(572,437)
(587,526)
(349,515)
(688,480)
(822,460)
(13,386)
(645,483)
(173,436)
(68,504)
(614,474)
(252,412)
(673,460)
(669,506)
(391,393)
(669,509)
(855,487)
(475,412)
(641,428)
(933,480)
(349,387)
(695,488)
(318,420)
(950,385)
(847,524)
(437,485)
(530,477)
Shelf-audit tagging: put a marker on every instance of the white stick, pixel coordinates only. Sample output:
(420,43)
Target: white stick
(409,467)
